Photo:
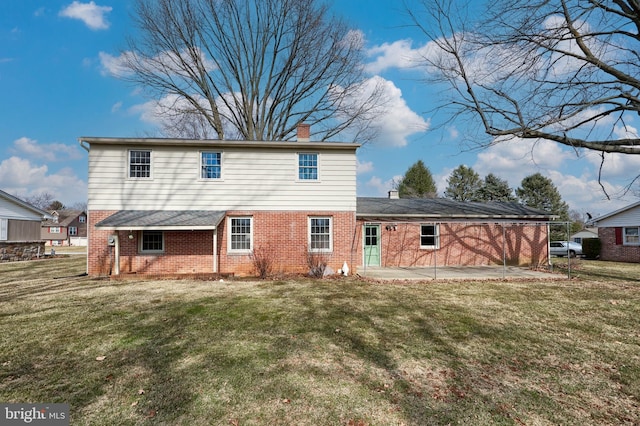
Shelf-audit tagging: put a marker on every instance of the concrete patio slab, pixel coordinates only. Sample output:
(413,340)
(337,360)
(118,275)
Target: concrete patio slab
(454,272)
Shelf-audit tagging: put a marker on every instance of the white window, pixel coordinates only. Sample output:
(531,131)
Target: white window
(81,219)
(152,242)
(320,234)
(140,164)
(631,236)
(54,230)
(210,165)
(307,166)
(4,229)
(73,230)
(429,236)
(241,234)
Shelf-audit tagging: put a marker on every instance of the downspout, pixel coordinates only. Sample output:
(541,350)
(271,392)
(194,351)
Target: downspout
(215,250)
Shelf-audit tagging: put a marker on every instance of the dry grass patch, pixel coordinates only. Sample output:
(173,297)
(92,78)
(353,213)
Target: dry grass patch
(321,352)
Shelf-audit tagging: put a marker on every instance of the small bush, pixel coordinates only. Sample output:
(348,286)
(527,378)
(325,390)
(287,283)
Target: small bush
(262,262)
(591,248)
(317,263)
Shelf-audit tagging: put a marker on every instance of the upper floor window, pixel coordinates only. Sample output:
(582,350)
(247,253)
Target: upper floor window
(429,236)
(152,242)
(308,166)
(140,164)
(320,234)
(73,230)
(82,219)
(632,236)
(241,236)
(210,165)
(54,230)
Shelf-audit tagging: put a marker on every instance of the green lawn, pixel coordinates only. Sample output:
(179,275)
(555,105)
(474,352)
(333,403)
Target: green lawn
(323,352)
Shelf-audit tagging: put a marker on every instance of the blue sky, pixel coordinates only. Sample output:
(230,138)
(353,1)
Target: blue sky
(56,85)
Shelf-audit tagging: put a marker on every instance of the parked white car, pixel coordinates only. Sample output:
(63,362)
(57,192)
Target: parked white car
(562,248)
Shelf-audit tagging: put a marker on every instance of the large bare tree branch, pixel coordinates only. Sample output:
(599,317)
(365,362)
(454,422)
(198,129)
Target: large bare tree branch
(561,70)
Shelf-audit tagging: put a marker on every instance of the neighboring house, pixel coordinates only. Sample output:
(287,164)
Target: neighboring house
(19,229)
(584,234)
(619,234)
(65,228)
(176,206)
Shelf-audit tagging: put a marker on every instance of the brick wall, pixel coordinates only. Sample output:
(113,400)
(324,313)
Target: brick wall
(463,244)
(616,252)
(281,236)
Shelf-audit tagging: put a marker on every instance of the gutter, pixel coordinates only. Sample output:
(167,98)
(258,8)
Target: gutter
(82,144)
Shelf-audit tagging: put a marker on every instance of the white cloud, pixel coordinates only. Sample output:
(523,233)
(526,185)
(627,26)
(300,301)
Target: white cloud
(113,65)
(47,152)
(90,13)
(364,167)
(376,187)
(396,121)
(163,63)
(399,54)
(116,107)
(21,177)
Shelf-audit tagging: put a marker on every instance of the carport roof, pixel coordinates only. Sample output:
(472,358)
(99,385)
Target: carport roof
(370,208)
(134,220)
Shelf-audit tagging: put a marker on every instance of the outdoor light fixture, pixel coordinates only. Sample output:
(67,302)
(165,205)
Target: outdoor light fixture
(131,235)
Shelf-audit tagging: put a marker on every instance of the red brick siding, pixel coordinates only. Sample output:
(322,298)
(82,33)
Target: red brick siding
(462,244)
(612,251)
(282,236)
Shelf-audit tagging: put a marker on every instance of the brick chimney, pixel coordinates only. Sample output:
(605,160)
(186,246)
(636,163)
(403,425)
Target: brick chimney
(304,131)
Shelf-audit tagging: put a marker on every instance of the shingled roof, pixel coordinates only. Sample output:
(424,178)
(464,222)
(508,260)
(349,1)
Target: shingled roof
(369,208)
(162,219)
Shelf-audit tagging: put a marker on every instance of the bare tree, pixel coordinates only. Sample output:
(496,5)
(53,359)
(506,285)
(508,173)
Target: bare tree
(251,69)
(42,200)
(567,71)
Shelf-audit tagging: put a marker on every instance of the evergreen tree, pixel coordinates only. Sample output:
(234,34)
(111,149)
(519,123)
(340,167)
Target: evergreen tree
(417,183)
(464,184)
(539,192)
(495,189)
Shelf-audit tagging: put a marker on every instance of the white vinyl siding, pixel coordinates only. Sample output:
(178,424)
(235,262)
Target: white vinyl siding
(254,179)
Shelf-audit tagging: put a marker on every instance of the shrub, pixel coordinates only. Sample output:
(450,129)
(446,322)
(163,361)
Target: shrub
(262,262)
(317,263)
(591,248)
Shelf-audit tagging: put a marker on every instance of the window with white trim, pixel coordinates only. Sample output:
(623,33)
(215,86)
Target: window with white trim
(307,166)
(82,219)
(73,230)
(152,242)
(631,236)
(429,236)
(320,234)
(210,165)
(140,164)
(54,229)
(4,229)
(240,235)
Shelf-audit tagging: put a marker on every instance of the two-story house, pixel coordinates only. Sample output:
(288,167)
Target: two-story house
(178,206)
(66,227)
(206,206)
